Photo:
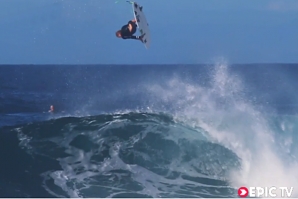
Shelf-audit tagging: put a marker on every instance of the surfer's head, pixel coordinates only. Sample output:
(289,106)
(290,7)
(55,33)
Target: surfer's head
(118,34)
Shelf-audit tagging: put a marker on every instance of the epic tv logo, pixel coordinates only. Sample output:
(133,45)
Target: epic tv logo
(265,192)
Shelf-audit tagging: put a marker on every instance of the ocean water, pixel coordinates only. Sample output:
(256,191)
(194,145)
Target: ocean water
(147,130)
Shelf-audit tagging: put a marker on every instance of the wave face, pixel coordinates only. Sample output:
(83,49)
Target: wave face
(153,131)
(125,155)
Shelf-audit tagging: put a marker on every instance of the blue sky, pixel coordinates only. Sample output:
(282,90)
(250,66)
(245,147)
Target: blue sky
(188,31)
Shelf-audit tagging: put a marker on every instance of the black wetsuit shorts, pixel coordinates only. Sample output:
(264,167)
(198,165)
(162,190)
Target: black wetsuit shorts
(126,34)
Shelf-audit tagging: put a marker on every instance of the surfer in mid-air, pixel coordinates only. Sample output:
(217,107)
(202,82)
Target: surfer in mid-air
(127,31)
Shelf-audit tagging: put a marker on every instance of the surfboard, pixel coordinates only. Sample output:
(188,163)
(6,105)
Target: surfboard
(142,23)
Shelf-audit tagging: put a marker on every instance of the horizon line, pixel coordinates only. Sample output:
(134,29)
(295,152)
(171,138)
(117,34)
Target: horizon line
(255,63)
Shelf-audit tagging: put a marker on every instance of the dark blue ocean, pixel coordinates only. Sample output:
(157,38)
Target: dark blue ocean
(147,130)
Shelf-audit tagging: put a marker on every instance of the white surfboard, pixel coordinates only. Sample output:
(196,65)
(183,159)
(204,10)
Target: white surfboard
(142,23)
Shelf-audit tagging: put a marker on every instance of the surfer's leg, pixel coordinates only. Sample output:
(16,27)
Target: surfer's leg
(133,27)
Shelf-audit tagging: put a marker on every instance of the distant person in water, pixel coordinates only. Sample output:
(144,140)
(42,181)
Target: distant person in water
(51,109)
(127,31)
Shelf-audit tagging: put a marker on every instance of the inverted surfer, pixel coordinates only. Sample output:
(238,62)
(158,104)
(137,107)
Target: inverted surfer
(127,31)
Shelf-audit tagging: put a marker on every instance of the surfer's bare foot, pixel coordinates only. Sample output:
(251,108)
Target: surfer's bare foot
(141,37)
(134,20)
